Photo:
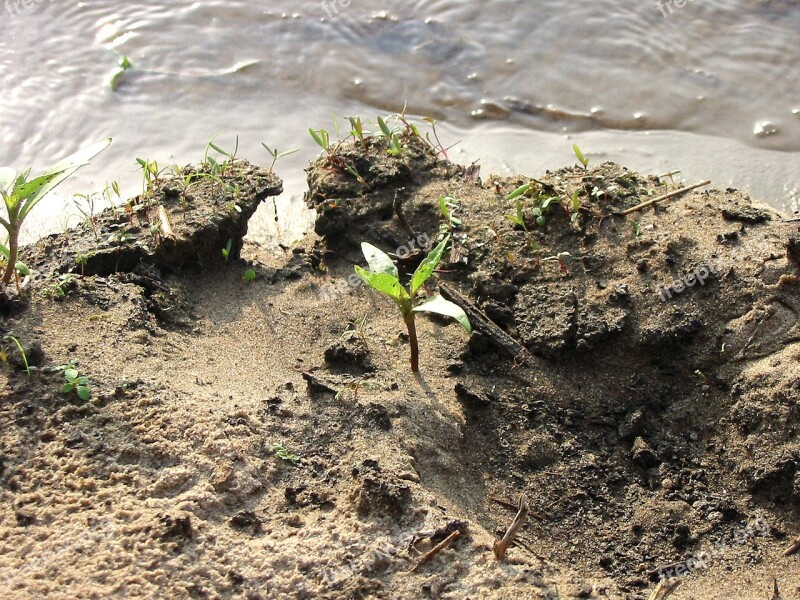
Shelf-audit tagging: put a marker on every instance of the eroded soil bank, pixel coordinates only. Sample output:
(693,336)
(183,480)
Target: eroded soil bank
(266,439)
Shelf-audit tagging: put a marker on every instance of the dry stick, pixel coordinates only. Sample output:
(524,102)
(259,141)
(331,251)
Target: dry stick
(500,546)
(672,194)
(436,549)
(664,589)
(794,547)
(166,227)
(482,323)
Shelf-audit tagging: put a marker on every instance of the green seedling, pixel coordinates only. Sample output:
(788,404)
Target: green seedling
(273,152)
(248,276)
(540,212)
(322,137)
(123,65)
(59,287)
(151,174)
(448,207)
(4,355)
(576,207)
(384,278)
(636,227)
(357,131)
(74,381)
(219,168)
(581,158)
(226,251)
(518,218)
(21,195)
(441,148)
(283,453)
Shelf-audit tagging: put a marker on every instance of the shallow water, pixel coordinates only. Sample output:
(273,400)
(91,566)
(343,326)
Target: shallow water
(712,89)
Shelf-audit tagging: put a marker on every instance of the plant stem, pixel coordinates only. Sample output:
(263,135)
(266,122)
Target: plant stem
(13,246)
(412,336)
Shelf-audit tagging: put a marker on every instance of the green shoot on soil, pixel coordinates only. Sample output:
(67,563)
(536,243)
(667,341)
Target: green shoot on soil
(581,158)
(4,356)
(248,276)
(226,251)
(283,453)
(384,278)
(74,381)
(21,195)
(273,152)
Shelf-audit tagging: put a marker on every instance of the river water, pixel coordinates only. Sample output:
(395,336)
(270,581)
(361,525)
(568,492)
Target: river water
(711,88)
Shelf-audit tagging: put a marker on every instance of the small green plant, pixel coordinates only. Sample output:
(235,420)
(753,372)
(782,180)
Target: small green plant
(58,289)
(575,207)
(123,65)
(219,168)
(226,251)
(323,140)
(636,227)
(518,218)
(581,158)
(248,276)
(75,382)
(150,174)
(21,195)
(273,152)
(357,131)
(4,356)
(384,278)
(283,453)
(448,206)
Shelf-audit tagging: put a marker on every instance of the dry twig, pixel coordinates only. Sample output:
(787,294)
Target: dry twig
(671,194)
(501,546)
(436,549)
(794,547)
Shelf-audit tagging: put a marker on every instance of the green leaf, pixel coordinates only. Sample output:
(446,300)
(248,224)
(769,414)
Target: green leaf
(22,268)
(427,266)
(82,381)
(249,275)
(318,138)
(384,283)
(519,191)
(384,127)
(84,393)
(378,260)
(583,160)
(58,173)
(71,374)
(440,306)
(66,388)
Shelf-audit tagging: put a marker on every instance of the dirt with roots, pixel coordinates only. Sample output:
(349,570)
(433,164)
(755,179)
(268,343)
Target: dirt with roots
(634,376)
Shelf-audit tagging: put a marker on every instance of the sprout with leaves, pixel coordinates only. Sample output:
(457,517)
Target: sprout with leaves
(21,195)
(383,277)
(74,381)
